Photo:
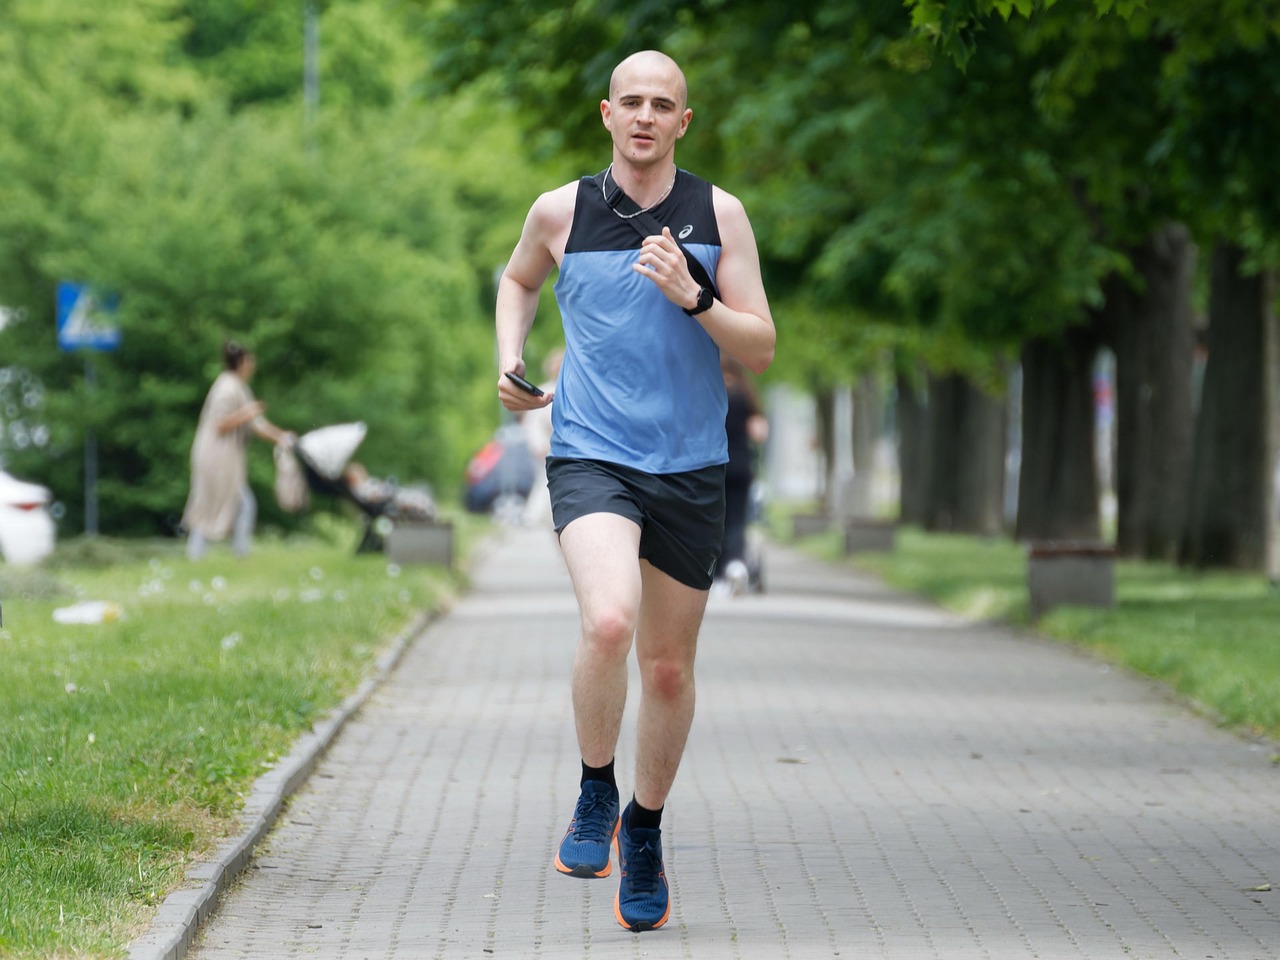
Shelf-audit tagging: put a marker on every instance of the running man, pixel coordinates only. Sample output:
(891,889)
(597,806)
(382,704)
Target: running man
(637,465)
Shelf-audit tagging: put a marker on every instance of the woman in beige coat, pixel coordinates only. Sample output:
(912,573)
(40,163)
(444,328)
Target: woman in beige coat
(221,501)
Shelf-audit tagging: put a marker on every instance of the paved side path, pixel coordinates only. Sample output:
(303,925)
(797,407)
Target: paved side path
(867,777)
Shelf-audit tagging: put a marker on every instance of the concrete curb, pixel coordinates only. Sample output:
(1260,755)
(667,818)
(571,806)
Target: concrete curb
(174,927)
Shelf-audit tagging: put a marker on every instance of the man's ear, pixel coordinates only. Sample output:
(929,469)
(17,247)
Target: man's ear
(684,126)
(606,114)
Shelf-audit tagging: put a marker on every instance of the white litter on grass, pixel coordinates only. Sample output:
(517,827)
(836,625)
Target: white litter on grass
(89,611)
(231,640)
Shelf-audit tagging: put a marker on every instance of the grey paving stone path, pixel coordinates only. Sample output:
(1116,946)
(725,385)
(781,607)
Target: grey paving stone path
(867,777)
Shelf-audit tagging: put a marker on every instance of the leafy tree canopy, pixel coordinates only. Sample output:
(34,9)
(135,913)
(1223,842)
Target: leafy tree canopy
(141,151)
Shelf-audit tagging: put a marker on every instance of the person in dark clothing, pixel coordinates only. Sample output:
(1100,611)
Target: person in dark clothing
(746,427)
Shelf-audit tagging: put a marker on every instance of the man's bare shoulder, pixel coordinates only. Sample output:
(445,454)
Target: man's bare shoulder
(549,221)
(726,205)
(553,210)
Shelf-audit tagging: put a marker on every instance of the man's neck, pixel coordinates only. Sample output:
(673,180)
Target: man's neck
(644,185)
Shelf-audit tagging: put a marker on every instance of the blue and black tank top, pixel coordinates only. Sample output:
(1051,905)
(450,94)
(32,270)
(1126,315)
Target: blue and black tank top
(640,384)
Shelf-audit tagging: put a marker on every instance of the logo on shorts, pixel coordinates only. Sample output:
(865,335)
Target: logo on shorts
(686,230)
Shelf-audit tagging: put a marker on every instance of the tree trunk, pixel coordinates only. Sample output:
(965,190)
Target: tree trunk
(1273,450)
(967,458)
(824,405)
(913,451)
(1058,483)
(1231,475)
(866,437)
(1154,343)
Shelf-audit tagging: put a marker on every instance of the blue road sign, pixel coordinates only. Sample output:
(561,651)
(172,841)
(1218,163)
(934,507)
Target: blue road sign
(85,320)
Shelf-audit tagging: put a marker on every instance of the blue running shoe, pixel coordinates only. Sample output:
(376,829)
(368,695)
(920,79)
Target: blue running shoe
(643,901)
(584,851)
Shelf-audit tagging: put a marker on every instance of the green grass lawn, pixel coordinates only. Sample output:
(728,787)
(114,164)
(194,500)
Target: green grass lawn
(1212,637)
(128,746)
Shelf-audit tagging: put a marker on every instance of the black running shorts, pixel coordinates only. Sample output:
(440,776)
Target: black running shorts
(680,515)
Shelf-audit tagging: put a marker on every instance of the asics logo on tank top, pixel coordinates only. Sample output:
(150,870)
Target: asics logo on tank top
(686,230)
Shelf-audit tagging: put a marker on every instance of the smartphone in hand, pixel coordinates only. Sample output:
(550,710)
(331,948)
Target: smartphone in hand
(524,384)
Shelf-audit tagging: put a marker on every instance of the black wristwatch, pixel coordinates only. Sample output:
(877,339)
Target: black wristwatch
(705,300)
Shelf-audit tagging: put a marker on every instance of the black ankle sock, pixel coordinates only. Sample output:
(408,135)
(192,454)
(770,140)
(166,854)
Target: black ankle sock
(603,774)
(642,818)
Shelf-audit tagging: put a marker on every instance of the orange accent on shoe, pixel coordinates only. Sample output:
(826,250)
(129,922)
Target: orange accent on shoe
(639,928)
(582,872)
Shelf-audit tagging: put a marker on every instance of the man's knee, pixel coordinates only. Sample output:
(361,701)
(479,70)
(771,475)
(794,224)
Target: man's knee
(667,678)
(609,631)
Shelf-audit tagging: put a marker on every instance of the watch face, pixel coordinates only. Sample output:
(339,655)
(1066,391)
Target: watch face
(705,299)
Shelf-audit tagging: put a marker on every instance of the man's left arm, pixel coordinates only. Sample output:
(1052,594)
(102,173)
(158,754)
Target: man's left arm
(740,321)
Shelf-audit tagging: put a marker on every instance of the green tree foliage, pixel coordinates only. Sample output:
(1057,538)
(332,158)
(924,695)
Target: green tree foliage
(252,51)
(155,150)
(1175,95)
(157,147)
(887,187)
(883,192)
(955,25)
(956,214)
(332,265)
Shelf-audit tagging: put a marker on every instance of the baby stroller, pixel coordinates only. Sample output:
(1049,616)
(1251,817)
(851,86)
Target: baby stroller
(325,456)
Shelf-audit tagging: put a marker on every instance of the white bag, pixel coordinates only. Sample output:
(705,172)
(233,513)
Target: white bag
(291,486)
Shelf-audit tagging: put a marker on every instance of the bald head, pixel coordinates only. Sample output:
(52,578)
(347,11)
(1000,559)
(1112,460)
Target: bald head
(649,66)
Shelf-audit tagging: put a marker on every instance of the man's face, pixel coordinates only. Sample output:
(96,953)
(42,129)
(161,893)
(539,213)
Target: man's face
(646,113)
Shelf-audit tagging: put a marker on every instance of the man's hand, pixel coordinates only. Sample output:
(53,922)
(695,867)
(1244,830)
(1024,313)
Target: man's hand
(663,262)
(515,399)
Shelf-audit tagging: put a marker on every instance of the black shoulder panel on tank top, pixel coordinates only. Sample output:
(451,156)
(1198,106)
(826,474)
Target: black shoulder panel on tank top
(687,210)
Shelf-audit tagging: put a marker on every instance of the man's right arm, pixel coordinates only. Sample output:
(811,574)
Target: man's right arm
(541,246)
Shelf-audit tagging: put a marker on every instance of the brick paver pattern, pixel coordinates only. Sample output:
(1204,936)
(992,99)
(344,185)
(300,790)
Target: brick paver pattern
(867,777)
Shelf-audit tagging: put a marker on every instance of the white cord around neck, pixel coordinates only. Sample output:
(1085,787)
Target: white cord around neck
(628,216)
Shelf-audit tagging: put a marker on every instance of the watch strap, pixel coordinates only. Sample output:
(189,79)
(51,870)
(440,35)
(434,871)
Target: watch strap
(705,299)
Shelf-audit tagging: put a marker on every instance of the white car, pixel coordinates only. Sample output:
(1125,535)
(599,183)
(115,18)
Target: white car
(26,526)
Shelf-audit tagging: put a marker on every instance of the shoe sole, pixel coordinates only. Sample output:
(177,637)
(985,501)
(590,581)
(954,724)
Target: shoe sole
(583,871)
(642,926)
